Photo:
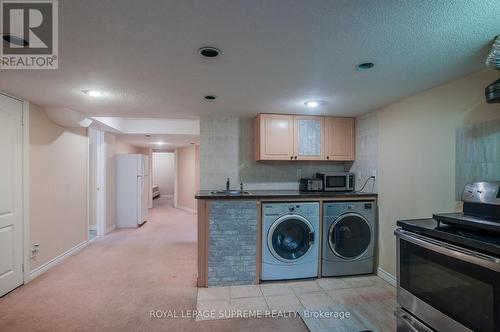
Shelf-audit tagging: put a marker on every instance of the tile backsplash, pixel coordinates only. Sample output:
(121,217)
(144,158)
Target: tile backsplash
(477,154)
(227,149)
(366,163)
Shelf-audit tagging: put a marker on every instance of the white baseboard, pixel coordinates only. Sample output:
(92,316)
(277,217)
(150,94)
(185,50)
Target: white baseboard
(54,261)
(387,276)
(110,228)
(186,209)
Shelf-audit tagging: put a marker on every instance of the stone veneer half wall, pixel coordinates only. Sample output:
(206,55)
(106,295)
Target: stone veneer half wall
(232,243)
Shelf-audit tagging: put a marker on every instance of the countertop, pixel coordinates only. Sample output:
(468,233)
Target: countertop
(270,194)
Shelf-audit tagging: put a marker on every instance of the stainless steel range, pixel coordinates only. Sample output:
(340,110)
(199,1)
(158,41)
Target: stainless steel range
(448,267)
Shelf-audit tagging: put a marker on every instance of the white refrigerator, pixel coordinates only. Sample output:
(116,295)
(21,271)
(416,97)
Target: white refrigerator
(132,185)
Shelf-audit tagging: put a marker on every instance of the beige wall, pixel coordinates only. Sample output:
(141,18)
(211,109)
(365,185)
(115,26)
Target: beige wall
(122,147)
(57,186)
(417,153)
(188,176)
(144,151)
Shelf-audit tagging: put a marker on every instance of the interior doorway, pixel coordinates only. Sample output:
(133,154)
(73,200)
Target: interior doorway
(97,183)
(163,178)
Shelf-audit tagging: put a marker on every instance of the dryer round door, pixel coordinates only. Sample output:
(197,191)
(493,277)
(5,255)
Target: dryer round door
(349,236)
(290,238)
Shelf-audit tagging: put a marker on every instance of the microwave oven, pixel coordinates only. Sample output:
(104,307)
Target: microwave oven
(337,181)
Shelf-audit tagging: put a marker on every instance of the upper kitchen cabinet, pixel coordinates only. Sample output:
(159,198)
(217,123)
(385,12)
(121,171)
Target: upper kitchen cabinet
(309,137)
(274,135)
(339,139)
(302,137)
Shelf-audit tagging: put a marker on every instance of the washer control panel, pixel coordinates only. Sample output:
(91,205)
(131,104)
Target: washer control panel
(334,209)
(278,209)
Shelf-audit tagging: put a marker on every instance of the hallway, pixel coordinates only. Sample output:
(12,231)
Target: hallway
(163,202)
(115,282)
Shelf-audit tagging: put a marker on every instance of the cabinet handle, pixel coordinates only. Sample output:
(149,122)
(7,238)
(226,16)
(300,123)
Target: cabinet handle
(291,157)
(327,157)
(295,157)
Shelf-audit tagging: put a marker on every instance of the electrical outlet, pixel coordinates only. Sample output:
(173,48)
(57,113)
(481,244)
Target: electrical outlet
(35,248)
(374,174)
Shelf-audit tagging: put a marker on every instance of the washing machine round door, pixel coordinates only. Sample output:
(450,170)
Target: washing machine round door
(290,238)
(349,236)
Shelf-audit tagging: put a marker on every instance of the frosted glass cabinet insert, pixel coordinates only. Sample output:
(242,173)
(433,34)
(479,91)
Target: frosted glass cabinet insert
(309,138)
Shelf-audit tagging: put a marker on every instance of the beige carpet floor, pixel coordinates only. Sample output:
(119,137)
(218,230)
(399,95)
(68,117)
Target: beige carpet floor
(114,283)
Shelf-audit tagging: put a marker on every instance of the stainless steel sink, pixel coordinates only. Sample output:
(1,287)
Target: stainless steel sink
(229,193)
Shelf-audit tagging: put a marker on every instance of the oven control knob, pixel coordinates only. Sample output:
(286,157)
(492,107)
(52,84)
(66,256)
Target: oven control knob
(291,209)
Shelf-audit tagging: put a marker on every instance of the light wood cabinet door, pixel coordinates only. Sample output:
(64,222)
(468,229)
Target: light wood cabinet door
(339,138)
(309,137)
(274,134)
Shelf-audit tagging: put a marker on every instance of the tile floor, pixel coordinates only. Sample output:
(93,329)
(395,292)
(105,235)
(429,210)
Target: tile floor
(370,295)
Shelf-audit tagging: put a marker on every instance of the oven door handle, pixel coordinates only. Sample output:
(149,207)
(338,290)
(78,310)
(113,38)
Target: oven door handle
(447,249)
(411,323)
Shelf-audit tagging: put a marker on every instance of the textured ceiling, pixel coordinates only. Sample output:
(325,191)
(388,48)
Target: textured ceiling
(276,54)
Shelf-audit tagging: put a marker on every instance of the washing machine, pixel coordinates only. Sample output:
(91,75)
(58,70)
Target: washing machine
(290,240)
(349,234)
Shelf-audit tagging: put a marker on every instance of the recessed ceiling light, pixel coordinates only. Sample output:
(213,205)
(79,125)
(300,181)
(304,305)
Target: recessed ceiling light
(15,40)
(314,103)
(160,143)
(93,93)
(211,97)
(209,52)
(365,66)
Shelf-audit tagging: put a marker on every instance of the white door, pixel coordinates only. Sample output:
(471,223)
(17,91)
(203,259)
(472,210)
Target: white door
(97,179)
(146,189)
(11,231)
(144,199)
(142,189)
